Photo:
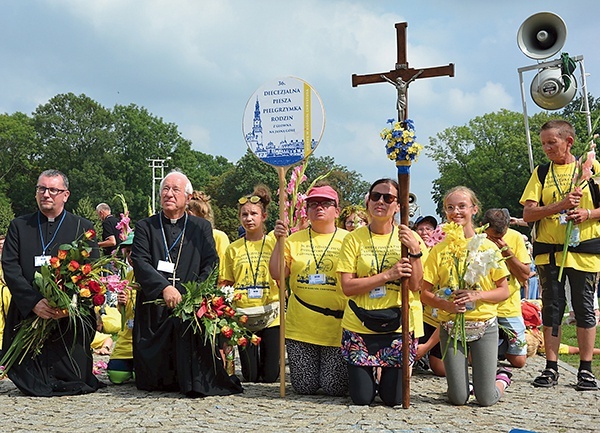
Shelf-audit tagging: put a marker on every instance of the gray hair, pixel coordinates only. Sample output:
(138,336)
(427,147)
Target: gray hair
(189,189)
(55,173)
(103,206)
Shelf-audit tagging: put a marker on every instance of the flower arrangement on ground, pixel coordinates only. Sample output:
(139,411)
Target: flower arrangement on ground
(469,266)
(71,282)
(209,310)
(400,143)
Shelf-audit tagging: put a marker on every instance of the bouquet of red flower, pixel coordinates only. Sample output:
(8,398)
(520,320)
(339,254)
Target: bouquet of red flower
(72,283)
(210,311)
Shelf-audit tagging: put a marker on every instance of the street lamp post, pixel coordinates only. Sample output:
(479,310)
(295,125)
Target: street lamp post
(158,172)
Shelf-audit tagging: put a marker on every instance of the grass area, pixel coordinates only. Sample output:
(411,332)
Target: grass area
(569,337)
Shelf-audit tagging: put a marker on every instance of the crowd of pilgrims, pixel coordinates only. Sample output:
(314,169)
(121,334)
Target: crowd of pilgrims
(339,266)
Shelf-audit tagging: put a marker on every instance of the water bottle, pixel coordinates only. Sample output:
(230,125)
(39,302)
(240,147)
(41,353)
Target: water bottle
(574,240)
(444,293)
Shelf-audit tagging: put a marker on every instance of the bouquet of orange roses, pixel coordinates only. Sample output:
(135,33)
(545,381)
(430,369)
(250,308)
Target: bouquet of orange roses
(70,282)
(210,311)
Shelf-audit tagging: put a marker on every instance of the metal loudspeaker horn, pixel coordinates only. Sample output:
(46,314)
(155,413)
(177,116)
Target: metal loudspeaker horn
(548,89)
(412,204)
(542,35)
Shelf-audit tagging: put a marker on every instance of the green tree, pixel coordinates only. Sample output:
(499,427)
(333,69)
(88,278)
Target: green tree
(18,155)
(490,155)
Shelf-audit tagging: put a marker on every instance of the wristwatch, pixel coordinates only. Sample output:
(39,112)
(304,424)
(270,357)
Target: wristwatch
(415,256)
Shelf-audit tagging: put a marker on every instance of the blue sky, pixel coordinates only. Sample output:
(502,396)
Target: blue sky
(196,62)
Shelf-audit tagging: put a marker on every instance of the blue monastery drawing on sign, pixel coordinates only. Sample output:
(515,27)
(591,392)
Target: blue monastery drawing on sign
(282,154)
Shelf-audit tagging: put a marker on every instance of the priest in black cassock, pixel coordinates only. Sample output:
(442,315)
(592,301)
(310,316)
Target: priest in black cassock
(171,248)
(64,367)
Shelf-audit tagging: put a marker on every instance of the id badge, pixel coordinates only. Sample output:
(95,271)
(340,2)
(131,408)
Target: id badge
(562,218)
(130,324)
(434,313)
(255,293)
(377,292)
(41,261)
(316,279)
(164,266)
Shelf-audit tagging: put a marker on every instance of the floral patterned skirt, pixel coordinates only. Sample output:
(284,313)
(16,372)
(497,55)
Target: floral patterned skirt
(376,350)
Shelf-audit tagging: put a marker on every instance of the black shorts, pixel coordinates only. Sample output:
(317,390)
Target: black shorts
(428,329)
(583,290)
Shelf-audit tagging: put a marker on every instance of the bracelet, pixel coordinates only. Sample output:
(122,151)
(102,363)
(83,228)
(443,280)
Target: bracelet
(589,214)
(415,256)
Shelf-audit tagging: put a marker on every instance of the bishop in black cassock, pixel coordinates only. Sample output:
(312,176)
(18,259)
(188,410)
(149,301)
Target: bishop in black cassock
(64,366)
(171,248)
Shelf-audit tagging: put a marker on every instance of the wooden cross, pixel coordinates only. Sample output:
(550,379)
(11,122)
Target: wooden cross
(402,75)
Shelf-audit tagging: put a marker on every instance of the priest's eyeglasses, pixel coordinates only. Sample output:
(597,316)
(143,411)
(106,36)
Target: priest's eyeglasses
(253,199)
(41,190)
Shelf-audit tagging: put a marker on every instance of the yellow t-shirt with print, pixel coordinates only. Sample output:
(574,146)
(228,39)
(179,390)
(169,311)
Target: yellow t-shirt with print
(365,254)
(438,271)
(304,251)
(512,306)
(246,263)
(549,230)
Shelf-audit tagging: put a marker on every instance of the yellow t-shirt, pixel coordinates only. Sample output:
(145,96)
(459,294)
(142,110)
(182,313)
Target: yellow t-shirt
(365,254)
(246,263)
(124,346)
(303,251)
(221,242)
(512,306)
(5,298)
(438,270)
(550,231)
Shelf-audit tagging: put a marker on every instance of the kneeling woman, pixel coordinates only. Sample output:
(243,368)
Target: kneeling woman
(371,267)
(246,268)
(478,306)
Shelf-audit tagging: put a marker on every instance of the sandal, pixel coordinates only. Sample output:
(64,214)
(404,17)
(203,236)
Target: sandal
(504,374)
(547,379)
(586,381)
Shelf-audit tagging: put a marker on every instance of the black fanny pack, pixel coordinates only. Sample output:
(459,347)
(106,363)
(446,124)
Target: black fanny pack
(591,246)
(338,314)
(383,320)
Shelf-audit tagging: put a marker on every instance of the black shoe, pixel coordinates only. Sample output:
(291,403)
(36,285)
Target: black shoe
(586,381)
(547,379)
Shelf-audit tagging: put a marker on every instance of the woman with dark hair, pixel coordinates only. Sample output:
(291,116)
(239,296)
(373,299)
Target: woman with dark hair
(371,268)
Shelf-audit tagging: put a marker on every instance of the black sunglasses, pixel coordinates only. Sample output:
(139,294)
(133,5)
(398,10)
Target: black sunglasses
(388,198)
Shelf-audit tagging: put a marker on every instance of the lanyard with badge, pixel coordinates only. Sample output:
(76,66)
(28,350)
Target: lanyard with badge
(379,292)
(318,277)
(167,265)
(44,259)
(255,292)
(562,217)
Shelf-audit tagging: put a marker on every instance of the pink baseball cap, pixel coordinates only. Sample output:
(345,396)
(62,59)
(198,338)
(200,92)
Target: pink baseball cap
(324,191)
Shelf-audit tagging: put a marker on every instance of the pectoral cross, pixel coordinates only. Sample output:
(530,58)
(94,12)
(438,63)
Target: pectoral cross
(173,278)
(402,75)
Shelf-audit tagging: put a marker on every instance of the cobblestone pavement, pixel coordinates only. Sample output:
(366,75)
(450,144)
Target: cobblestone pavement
(260,408)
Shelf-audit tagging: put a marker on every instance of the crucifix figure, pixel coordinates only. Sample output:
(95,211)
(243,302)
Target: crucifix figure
(402,75)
